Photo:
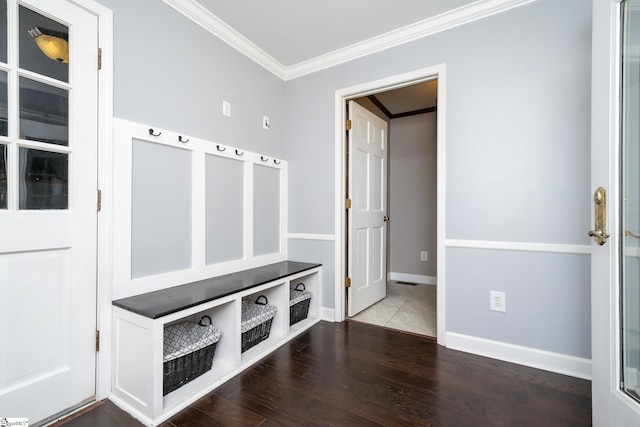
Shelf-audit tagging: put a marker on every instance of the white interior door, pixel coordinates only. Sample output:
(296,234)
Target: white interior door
(367,223)
(615,286)
(48,218)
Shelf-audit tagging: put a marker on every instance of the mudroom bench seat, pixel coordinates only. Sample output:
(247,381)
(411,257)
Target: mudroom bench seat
(139,324)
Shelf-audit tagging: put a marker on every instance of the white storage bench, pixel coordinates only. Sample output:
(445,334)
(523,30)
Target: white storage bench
(139,323)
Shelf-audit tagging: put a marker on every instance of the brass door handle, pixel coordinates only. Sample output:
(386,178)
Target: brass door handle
(385,218)
(602,235)
(600,206)
(629,233)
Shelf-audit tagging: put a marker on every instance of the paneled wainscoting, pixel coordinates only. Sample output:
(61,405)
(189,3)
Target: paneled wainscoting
(352,373)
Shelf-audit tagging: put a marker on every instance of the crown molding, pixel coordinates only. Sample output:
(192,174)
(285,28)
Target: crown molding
(475,11)
(463,15)
(201,16)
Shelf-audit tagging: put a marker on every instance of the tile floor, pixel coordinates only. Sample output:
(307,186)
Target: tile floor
(407,307)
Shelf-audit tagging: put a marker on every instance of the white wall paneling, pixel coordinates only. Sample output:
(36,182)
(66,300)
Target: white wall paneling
(186,209)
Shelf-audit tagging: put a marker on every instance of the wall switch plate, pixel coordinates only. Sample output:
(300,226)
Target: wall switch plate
(498,301)
(226,108)
(424,256)
(266,123)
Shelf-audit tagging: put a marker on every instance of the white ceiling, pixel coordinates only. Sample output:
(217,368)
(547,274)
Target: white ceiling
(295,31)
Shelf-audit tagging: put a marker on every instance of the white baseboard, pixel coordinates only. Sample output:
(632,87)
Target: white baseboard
(554,362)
(327,314)
(413,278)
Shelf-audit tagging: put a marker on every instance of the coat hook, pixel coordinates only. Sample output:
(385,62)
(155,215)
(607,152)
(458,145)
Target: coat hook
(239,153)
(183,140)
(264,159)
(220,149)
(276,162)
(152,133)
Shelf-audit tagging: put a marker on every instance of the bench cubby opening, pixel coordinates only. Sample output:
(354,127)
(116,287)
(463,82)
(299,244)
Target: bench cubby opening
(311,284)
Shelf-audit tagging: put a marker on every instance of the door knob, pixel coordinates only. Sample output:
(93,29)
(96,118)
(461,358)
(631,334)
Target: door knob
(385,218)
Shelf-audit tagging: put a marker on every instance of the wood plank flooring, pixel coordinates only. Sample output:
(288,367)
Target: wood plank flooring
(353,374)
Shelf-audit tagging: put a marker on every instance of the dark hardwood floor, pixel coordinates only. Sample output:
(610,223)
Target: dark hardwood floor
(355,374)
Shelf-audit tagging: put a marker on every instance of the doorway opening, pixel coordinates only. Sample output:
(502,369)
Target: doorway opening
(368,93)
(410,302)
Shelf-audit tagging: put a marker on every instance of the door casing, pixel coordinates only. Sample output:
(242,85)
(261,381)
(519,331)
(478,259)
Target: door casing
(364,89)
(105,184)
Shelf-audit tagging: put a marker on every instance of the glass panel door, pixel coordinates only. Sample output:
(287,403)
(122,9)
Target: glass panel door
(48,219)
(630,205)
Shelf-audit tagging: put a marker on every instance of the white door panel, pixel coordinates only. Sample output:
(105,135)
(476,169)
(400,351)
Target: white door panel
(367,228)
(49,222)
(30,308)
(614,166)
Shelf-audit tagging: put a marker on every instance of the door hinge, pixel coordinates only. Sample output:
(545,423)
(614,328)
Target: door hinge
(99,58)
(347,282)
(97,340)
(348,124)
(99,200)
(347,204)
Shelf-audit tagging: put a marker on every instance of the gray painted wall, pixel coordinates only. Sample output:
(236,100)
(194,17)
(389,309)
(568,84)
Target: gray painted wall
(413,195)
(160,209)
(548,298)
(517,153)
(517,159)
(172,74)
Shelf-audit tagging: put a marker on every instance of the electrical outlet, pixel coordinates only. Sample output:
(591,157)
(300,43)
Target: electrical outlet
(498,301)
(266,123)
(424,256)
(226,108)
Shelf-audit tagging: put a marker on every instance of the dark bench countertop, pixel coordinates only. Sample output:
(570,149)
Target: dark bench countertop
(167,301)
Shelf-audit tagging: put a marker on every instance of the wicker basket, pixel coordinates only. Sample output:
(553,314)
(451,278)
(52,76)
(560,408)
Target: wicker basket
(257,318)
(299,301)
(188,352)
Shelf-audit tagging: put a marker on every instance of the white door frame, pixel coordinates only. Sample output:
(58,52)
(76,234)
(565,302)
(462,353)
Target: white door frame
(364,89)
(105,183)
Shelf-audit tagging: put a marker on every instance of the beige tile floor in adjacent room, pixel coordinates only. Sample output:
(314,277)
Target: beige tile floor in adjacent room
(407,307)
